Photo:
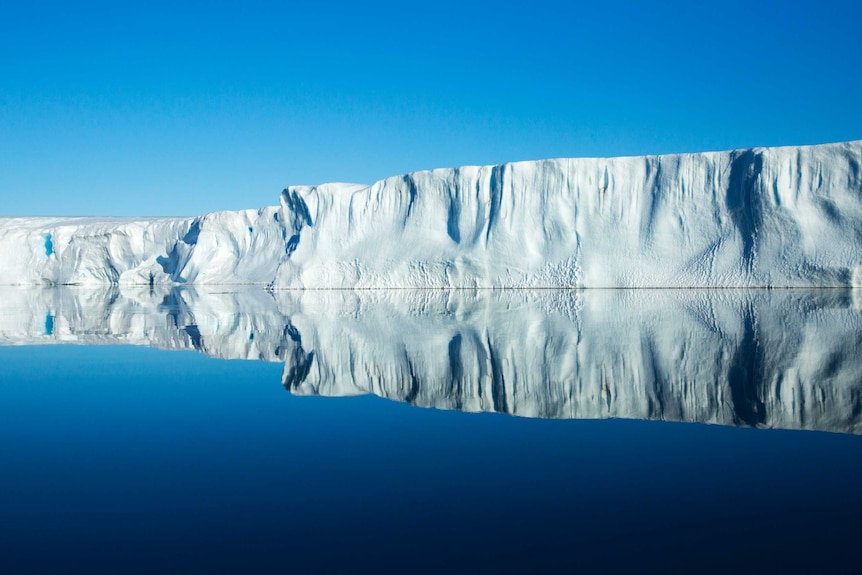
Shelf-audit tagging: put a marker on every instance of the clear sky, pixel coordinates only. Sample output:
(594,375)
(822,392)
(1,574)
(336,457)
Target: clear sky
(180,108)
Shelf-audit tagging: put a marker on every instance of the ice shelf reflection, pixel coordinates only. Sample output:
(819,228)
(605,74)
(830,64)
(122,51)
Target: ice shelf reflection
(763,358)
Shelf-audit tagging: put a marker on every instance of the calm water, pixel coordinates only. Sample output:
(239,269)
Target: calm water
(474,432)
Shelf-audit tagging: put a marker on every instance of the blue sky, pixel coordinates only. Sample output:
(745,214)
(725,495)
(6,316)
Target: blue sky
(173,108)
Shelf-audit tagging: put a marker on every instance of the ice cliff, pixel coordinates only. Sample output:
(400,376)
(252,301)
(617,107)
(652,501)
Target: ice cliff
(761,358)
(774,217)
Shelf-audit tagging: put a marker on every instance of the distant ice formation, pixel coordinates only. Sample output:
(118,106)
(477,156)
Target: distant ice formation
(761,358)
(775,217)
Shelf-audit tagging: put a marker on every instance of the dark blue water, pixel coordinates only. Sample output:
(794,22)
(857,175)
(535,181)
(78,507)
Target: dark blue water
(119,459)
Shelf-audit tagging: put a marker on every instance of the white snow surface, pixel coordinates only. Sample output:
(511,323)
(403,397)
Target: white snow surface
(775,217)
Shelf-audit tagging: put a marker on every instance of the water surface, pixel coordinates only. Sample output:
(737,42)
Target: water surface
(655,431)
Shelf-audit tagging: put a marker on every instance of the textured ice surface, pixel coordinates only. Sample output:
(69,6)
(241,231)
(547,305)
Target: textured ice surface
(762,217)
(763,358)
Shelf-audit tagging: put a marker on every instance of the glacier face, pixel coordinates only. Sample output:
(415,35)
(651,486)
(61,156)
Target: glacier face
(762,358)
(775,217)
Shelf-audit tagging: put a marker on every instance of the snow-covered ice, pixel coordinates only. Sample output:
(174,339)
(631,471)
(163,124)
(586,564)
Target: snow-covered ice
(763,358)
(788,216)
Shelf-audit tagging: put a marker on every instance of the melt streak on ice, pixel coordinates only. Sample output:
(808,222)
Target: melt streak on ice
(769,217)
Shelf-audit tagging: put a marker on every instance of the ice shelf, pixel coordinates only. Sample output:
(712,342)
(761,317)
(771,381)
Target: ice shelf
(769,217)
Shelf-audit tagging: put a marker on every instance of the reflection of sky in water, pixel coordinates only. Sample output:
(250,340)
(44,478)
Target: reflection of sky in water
(119,458)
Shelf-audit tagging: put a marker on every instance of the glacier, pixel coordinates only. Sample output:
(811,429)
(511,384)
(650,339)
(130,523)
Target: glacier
(761,217)
(754,358)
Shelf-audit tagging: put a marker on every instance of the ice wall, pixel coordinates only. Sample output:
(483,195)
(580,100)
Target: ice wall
(761,358)
(243,247)
(776,217)
(762,217)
